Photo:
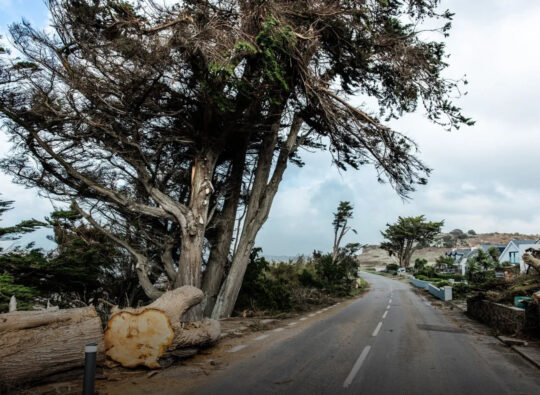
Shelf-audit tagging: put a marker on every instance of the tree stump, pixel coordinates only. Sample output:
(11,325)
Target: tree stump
(36,344)
(144,335)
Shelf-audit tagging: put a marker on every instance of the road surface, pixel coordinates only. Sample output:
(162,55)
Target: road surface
(391,341)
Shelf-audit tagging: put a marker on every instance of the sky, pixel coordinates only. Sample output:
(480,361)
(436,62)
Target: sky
(485,177)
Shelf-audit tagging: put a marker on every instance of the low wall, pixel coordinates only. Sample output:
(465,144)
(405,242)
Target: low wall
(420,283)
(506,319)
(444,293)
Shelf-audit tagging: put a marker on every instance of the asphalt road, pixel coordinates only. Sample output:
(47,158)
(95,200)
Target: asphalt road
(391,341)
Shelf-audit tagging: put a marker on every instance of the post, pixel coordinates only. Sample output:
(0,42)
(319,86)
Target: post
(90,356)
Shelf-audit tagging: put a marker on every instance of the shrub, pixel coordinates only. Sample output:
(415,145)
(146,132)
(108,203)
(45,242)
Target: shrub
(441,283)
(392,267)
(460,290)
(308,279)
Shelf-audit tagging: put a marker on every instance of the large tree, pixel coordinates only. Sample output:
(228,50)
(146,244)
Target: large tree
(407,235)
(175,124)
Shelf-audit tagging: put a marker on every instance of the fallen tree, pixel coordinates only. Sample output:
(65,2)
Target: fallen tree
(146,335)
(37,344)
(532,259)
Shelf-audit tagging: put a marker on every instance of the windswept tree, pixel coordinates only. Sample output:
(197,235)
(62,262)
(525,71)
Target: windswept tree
(407,235)
(175,124)
(341,219)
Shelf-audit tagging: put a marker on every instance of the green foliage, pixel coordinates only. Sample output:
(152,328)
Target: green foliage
(483,260)
(471,232)
(444,263)
(276,286)
(494,253)
(407,235)
(261,289)
(15,232)
(84,266)
(23,294)
(275,42)
(460,290)
(441,283)
(419,264)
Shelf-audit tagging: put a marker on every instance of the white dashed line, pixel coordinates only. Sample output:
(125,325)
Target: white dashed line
(390,301)
(261,337)
(377,329)
(311,315)
(238,348)
(384,315)
(279,329)
(303,319)
(388,307)
(293,323)
(356,367)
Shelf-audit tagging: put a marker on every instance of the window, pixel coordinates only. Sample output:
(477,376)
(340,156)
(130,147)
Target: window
(513,257)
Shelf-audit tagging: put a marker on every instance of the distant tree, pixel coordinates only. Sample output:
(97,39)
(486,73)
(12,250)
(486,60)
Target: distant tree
(456,232)
(448,241)
(341,218)
(483,260)
(494,253)
(471,270)
(407,235)
(443,263)
(471,232)
(420,264)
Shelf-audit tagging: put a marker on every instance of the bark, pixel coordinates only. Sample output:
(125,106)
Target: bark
(144,335)
(36,344)
(220,249)
(193,230)
(532,262)
(260,202)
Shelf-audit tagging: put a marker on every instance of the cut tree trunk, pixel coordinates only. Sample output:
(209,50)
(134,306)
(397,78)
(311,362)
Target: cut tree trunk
(147,334)
(36,344)
(532,262)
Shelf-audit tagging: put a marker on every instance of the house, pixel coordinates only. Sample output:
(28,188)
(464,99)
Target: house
(514,251)
(460,257)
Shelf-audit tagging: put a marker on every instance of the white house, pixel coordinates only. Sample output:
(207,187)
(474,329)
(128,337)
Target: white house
(514,251)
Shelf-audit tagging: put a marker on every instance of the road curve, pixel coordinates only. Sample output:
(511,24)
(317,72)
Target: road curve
(391,341)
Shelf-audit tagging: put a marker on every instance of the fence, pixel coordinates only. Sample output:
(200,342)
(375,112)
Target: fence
(420,283)
(444,293)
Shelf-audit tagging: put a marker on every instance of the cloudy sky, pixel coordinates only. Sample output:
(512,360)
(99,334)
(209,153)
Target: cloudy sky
(485,177)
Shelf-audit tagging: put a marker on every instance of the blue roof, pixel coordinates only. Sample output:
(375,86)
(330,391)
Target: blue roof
(519,242)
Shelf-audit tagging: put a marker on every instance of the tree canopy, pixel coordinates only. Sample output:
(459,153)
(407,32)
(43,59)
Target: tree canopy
(169,128)
(407,235)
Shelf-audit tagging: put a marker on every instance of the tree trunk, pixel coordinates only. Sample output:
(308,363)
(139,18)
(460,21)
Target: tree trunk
(36,344)
(260,202)
(144,335)
(219,251)
(193,230)
(531,261)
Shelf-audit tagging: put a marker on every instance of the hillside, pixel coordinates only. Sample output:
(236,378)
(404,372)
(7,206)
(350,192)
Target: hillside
(375,256)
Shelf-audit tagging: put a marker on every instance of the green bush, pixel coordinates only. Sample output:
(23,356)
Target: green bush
(456,277)
(287,286)
(441,283)
(392,267)
(309,280)
(460,290)
(23,294)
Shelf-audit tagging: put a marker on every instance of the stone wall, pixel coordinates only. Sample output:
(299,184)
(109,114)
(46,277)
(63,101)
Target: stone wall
(506,319)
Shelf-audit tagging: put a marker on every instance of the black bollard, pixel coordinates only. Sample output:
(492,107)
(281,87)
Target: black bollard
(90,356)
